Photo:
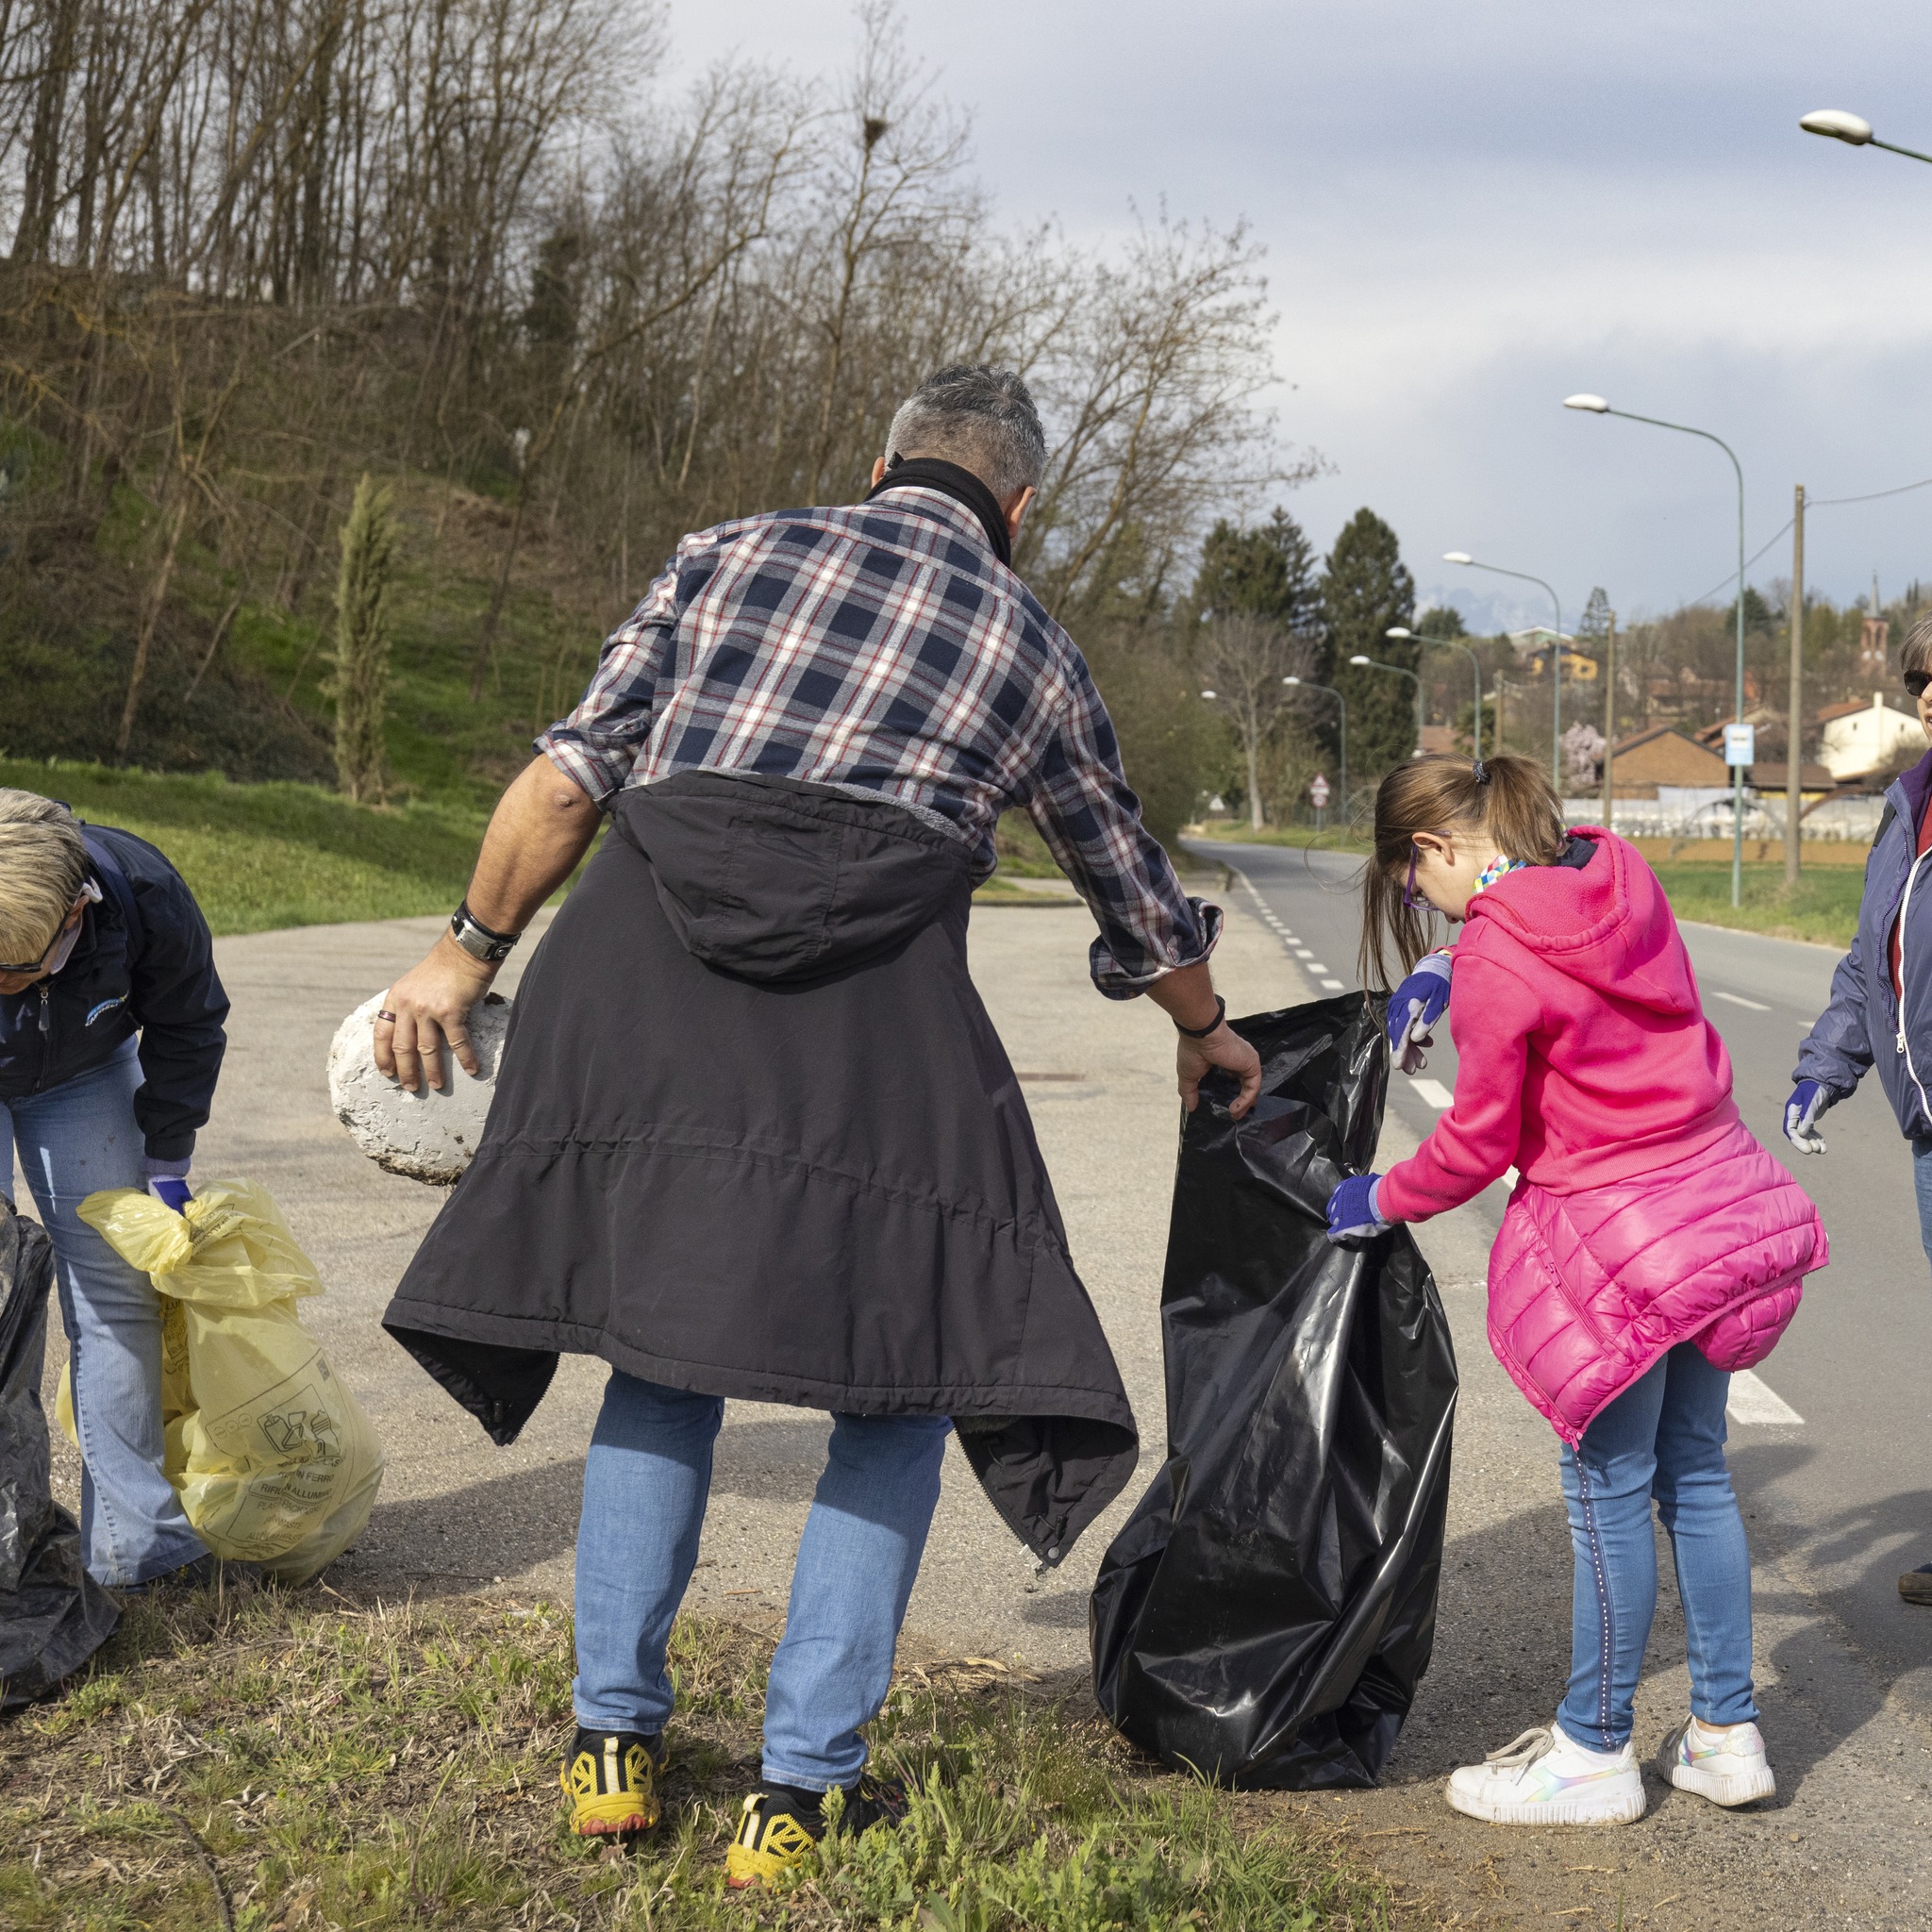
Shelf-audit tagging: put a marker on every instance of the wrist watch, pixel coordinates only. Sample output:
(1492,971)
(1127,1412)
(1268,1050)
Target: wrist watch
(477,938)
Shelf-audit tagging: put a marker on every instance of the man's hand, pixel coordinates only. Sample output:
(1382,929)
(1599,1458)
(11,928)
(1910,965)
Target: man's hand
(1224,1048)
(431,1008)
(542,824)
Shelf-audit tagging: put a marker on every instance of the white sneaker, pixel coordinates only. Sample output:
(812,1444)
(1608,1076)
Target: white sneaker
(1545,1777)
(1726,1764)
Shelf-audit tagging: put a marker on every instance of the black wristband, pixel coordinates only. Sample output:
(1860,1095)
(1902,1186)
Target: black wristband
(1212,1026)
(502,939)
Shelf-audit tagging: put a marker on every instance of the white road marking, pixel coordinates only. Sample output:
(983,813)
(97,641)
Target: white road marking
(1314,965)
(1303,952)
(1738,999)
(1434,1092)
(1753,1401)
(1510,1178)
(1334,986)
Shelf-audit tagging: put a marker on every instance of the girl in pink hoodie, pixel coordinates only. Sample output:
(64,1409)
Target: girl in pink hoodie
(1651,1246)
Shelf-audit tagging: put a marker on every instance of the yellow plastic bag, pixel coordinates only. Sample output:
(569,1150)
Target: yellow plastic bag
(271,1456)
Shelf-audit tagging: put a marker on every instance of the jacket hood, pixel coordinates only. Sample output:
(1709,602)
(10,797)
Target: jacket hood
(1605,923)
(776,881)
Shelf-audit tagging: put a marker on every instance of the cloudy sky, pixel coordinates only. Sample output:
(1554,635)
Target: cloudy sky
(1472,212)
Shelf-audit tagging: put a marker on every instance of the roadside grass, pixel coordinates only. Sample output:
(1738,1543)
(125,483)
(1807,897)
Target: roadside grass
(259,857)
(1823,905)
(291,1761)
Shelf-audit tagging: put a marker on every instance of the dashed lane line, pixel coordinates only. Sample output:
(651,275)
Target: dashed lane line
(1738,999)
(1438,1096)
(1753,1401)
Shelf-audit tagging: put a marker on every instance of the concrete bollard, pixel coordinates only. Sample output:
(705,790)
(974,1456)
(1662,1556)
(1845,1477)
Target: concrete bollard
(430,1135)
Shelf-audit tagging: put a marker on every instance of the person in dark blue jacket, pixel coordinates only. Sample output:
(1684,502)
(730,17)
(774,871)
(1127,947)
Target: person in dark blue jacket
(1880,1012)
(110,1043)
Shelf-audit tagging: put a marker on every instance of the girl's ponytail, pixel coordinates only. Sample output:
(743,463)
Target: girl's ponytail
(1508,798)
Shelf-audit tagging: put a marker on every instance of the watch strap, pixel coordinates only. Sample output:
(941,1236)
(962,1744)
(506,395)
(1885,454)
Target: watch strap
(478,939)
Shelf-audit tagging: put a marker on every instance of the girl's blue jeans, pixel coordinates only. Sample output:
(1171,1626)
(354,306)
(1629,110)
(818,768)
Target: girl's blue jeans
(72,1139)
(646,1481)
(1663,1439)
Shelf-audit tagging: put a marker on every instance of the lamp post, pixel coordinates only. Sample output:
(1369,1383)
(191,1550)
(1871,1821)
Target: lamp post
(1595,406)
(1363,658)
(1475,731)
(1463,558)
(1854,130)
(1302,684)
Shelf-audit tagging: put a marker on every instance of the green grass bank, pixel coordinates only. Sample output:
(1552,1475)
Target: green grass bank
(290,1761)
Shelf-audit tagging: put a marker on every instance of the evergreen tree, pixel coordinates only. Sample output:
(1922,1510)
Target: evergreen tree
(360,680)
(1441,621)
(1593,626)
(1366,590)
(1268,572)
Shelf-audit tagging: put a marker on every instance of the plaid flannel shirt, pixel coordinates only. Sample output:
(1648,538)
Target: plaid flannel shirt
(882,648)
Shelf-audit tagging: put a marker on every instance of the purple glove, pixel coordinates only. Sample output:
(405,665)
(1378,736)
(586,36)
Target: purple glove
(167,1181)
(1414,1008)
(1352,1213)
(1809,1100)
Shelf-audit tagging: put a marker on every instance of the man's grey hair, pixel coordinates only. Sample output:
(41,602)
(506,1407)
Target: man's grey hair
(982,419)
(43,865)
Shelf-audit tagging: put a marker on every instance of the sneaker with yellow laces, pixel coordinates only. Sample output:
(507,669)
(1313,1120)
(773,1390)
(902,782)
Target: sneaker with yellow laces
(781,1826)
(610,1779)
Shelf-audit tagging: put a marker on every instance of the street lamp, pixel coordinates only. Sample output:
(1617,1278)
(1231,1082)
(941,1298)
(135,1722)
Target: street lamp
(1302,684)
(1401,631)
(1853,129)
(1462,557)
(1362,657)
(1595,406)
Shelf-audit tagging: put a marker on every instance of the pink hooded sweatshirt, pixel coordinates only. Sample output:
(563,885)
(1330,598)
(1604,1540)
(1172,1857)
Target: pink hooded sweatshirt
(1646,1213)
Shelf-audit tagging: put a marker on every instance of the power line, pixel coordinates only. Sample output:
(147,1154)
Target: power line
(1811,502)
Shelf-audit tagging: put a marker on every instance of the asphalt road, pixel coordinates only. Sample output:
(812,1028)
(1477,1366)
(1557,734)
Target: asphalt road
(1844,1490)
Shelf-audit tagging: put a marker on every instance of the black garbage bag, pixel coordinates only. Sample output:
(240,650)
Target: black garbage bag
(1265,1615)
(53,1615)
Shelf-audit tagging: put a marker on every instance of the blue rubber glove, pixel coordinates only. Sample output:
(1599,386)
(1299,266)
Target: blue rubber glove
(1809,1100)
(1352,1213)
(167,1181)
(1414,1008)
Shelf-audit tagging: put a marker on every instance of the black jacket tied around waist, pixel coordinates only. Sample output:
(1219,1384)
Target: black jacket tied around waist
(754,1135)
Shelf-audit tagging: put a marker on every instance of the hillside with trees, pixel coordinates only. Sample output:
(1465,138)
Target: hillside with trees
(555,315)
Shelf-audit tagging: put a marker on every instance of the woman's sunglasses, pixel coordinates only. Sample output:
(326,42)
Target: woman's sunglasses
(1409,902)
(1916,681)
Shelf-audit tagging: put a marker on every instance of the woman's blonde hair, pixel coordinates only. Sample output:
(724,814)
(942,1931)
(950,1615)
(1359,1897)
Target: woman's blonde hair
(43,865)
(1506,799)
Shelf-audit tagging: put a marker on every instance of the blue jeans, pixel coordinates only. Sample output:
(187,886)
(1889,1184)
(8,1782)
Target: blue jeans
(1662,1438)
(1922,1186)
(646,1481)
(72,1139)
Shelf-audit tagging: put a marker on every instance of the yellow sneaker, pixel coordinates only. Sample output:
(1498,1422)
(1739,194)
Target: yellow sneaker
(779,1828)
(610,1779)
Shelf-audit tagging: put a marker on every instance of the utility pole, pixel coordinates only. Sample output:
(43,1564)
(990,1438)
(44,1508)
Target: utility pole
(1610,716)
(1796,735)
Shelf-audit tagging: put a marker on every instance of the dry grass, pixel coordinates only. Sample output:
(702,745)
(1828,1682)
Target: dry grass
(289,1760)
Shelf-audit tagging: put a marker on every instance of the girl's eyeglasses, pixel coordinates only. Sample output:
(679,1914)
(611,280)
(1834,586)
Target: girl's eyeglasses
(1409,902)
(1916,681)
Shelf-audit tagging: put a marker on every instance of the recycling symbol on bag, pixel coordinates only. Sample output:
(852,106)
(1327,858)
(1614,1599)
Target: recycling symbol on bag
(289,1429)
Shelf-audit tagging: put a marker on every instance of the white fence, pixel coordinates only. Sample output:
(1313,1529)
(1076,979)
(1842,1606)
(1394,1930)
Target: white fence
(1704,813)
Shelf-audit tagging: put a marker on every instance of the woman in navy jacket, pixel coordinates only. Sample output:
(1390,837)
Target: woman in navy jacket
(1881,995)
(110,1043)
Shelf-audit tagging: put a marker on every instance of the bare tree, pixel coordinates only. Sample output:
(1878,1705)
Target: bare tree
(1243,661)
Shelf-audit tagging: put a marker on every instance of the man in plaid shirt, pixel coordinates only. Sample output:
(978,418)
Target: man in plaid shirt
(883,653)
